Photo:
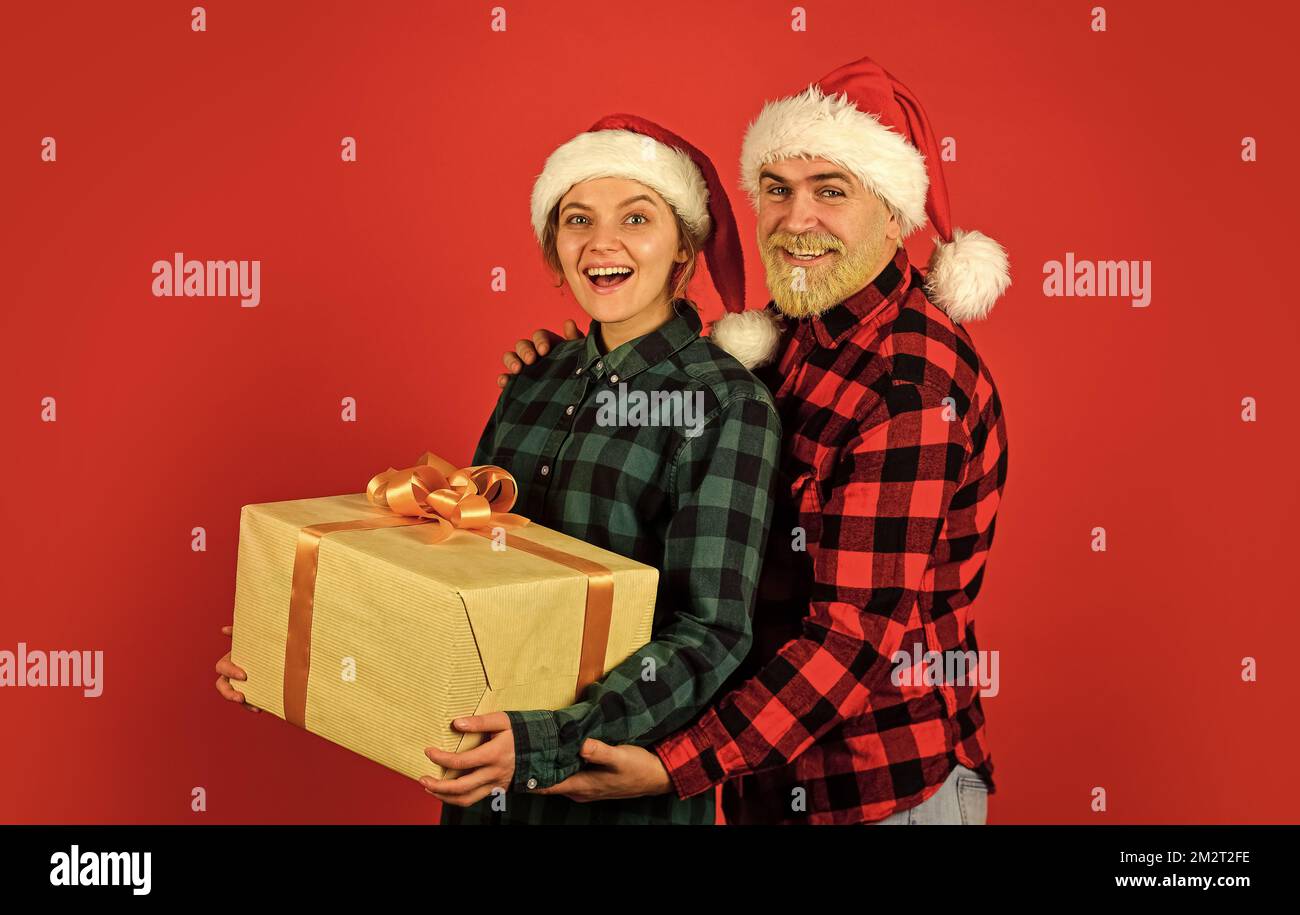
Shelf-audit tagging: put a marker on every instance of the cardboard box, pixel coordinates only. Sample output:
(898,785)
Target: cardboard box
(406,634)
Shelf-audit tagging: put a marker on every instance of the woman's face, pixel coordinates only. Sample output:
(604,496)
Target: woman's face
(617,242)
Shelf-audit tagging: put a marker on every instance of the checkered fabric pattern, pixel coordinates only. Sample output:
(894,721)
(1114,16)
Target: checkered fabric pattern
(892,469)
(685,487)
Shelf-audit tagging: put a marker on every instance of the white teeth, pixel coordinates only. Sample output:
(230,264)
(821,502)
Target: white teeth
(607,271)
(804,256)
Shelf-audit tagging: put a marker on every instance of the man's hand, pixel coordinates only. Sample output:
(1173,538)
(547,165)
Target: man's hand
(229,671)
(489,765)
(613,772)
(527,351)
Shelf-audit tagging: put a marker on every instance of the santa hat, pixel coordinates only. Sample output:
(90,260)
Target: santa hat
(626,146)
(864,120)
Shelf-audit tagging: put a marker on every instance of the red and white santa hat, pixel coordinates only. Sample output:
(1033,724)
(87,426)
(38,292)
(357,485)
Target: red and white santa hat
(866,121)
(627,146)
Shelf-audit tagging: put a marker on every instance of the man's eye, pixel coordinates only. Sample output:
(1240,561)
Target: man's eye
(831,190)
(776,189)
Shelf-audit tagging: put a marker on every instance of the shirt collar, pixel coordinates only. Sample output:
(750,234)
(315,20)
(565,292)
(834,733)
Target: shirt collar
(631,357)
(867,305)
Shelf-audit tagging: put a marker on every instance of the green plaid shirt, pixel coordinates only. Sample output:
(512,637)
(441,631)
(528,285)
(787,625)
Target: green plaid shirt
(685,486)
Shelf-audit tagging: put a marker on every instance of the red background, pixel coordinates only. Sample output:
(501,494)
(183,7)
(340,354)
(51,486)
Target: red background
(1119,669)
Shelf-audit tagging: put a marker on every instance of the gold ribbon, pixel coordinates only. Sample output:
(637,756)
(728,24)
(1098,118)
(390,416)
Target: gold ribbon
(437,493)
(447,496)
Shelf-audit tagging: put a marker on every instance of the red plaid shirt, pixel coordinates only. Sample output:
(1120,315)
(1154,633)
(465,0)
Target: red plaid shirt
(893,463)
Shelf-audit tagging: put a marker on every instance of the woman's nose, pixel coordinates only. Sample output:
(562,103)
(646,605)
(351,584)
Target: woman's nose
(605,238)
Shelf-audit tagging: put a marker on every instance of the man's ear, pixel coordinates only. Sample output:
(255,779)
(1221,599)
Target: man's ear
(894,228)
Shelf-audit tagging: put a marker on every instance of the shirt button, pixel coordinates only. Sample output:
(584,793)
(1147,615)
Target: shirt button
(568,411)
(532,783)
(600,365)
(613,379)
(579,371)
(546,468)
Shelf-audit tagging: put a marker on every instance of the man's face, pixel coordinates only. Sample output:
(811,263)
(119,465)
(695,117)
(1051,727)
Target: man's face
(822,234)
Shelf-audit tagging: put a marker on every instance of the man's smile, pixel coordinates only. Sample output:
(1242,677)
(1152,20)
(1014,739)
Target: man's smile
(805,260)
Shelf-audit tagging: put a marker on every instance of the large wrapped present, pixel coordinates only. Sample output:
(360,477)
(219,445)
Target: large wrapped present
(375,619)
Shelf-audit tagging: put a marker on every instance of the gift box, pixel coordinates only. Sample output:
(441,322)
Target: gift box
(374,619)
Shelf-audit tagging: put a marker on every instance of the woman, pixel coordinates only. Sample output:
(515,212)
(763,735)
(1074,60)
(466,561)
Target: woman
(621,213)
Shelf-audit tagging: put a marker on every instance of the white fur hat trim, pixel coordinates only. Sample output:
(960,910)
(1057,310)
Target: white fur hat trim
(623,154)
(817,126)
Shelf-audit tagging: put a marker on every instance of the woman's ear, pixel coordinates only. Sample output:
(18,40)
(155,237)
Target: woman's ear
(682,255)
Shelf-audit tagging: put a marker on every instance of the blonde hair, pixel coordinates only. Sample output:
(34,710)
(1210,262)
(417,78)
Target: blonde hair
(678,280)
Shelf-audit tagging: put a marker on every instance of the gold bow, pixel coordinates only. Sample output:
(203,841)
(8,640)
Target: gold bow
(450,497)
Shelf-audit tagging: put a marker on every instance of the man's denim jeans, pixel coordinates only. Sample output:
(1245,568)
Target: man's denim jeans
(962,800)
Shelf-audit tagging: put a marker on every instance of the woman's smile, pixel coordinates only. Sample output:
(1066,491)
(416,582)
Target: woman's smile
(605,279)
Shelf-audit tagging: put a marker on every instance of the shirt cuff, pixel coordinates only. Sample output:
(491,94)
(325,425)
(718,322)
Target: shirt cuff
(537,751)
(690,761)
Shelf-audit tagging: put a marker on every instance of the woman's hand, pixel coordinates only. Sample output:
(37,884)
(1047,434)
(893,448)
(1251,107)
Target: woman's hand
(488,766)
(229,672)
(527,351)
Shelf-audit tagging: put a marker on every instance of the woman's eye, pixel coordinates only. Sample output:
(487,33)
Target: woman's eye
(574,217)
(639,216)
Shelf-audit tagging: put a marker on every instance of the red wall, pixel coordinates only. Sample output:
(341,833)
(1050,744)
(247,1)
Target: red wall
(1119,669)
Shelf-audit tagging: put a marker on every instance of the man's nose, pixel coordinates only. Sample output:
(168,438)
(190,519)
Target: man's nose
(801,215)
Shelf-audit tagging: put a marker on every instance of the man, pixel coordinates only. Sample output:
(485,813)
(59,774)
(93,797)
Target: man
(894,461)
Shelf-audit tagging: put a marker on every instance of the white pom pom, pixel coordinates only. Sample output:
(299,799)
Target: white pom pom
(751,337)
(967,275)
